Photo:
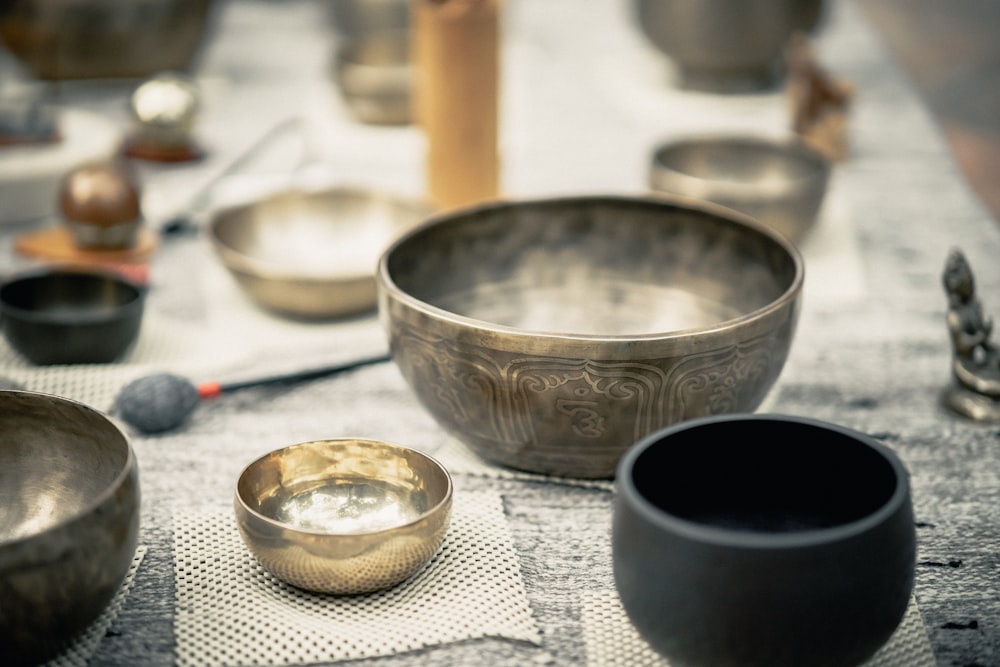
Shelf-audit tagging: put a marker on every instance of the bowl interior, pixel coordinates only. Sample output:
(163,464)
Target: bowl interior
(770,476)
(57,460)
(762,167)
(330,233)
(344,487)
(594,267)
(68,297)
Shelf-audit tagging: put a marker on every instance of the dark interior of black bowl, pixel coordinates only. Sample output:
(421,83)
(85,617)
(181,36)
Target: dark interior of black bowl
(67,316)
(594,266)
(765,476)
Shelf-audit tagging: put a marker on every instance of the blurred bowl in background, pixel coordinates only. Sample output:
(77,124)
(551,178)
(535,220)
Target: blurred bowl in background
(726,45)
(71,315)
(94,39)
(311,254)
(356,18)
(69,488)
(374,75)
(761,540)
(780,181)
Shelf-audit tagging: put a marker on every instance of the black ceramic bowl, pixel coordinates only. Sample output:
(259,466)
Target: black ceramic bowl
(763,540)
(71,316)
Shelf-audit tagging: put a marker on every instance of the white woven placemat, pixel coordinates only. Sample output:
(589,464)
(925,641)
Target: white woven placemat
(612,641)
(230,611)
(78,653)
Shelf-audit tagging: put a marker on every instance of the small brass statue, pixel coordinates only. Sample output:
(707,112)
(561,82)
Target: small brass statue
(975,388)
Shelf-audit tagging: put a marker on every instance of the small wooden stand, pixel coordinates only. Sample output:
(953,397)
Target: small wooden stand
(56,245)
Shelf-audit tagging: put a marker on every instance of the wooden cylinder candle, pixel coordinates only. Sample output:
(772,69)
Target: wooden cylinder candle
(456,56)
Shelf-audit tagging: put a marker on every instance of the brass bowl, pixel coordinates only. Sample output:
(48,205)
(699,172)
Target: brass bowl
(69,488)
(92,39)
(311,254)
(550,335)
(344,516)
(736,541)
(780,181)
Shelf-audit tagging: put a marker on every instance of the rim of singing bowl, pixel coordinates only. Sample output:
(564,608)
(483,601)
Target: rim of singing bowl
(237,258)
(668,167)
(516,339)
(111,428)
(670,521)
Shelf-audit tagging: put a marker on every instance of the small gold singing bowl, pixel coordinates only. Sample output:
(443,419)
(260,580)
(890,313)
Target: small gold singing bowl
(344,516)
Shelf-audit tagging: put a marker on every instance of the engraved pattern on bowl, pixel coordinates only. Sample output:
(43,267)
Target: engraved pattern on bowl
(660,310)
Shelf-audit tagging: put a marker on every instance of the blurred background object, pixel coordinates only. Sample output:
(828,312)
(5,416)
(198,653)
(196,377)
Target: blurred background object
(356,18)
(99,202)
(93,39)
(951,53)
(726,46)
(164,108)
(779,181)
(71,315)
(374,75)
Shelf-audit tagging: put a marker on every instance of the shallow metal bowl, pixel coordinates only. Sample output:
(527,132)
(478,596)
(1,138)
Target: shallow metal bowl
(311,254)
(84,39)
(550,335)
(725,45)
(780,181)
(344,516)
(71,315)
(69,489)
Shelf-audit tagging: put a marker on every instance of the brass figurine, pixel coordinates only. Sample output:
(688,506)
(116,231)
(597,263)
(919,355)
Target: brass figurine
(975,388)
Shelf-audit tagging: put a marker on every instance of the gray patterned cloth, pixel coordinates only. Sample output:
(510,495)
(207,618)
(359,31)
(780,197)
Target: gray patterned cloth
(584,101)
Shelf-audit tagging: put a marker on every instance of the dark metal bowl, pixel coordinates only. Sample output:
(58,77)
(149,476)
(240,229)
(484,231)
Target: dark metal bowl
(69,489)
(71,316)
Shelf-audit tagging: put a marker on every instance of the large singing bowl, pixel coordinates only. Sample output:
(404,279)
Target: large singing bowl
(69,489)
(550,335)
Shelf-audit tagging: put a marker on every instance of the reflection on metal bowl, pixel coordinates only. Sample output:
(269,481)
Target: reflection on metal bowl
(550,335)
(69,487)
(71,315)
(311,254)
(780,181)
